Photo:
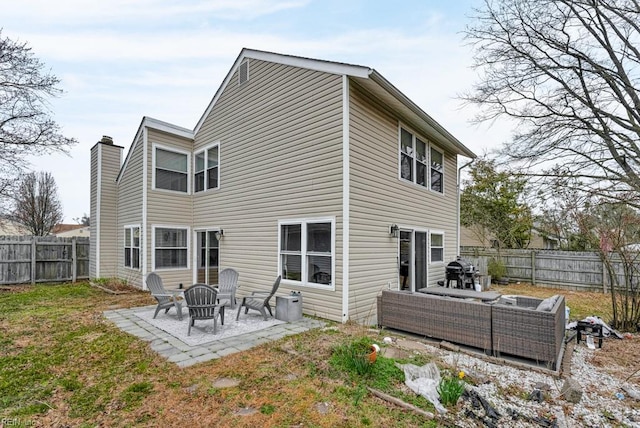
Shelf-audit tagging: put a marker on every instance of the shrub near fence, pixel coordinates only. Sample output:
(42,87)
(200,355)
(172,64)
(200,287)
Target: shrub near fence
(31,259)
(565,269)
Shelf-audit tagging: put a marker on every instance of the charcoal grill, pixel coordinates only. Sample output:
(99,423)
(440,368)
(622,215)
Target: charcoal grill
(462,272)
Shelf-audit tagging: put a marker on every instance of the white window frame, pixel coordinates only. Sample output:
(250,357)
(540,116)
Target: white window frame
(153,168)
(431,247)
(414,162)
(153,246)
(304,253)
(430,167)
(130,245)
(205,151)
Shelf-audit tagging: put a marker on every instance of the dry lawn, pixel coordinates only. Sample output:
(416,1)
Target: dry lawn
(62,364)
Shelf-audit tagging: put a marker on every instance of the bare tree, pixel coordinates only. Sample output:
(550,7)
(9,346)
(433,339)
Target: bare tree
(36,203)
(568,73)
(26,127)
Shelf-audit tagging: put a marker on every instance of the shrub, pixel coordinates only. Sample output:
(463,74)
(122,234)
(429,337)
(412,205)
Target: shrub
(450,389)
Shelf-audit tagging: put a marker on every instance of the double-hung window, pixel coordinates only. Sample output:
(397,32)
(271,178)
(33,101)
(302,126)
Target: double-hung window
(437,171)
(415,157)
(207,169)
(170,247)
(307,251)
(132,247)
(171,170)
(437,247)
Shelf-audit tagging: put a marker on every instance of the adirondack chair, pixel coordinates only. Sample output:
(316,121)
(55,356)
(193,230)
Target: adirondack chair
(202,302)
(166,299)
(227,286)
(259,301)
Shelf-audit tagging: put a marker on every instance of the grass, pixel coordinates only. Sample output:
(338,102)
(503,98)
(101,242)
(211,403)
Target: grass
(63,364)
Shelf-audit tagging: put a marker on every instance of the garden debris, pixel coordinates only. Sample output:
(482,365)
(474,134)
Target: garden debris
(400,403)
(571,390)
(538,420)
(424,381)
(536,395)
(478,401)
(323,408)
(631,392)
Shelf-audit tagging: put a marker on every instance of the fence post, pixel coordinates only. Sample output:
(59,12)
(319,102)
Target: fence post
(533,267)
(74,260)
(33,260)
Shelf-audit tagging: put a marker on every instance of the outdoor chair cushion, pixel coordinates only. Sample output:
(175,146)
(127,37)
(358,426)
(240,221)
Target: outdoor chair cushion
(548,304)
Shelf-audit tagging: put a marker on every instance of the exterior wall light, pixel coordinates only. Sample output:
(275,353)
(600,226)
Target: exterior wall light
(219,234)
(394,230)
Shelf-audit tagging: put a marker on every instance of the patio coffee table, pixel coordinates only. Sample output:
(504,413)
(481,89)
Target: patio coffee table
(485,296)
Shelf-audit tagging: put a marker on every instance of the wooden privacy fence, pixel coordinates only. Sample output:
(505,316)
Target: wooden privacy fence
(31,259)
(566,269)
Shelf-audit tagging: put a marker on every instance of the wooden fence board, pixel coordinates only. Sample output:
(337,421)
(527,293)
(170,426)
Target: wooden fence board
(29,259)
(569,269)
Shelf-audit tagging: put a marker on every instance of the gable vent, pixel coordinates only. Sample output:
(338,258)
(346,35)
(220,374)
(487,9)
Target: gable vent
(243,73)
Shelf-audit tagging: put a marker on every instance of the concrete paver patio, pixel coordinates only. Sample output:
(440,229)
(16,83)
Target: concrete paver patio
(176,351)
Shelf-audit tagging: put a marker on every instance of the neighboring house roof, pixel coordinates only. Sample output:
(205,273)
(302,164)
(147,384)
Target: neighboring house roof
(61,228)
(368,78)
(82,231)
(472,237)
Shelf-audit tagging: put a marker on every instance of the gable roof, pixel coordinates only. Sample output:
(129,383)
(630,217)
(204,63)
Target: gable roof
(368,78)
(159,125)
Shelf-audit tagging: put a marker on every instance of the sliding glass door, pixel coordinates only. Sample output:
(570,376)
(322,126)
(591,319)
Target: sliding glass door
(208,254)
(412,259)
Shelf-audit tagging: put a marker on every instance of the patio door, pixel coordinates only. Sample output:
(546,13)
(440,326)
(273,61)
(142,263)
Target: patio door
(208,255)
(412,259)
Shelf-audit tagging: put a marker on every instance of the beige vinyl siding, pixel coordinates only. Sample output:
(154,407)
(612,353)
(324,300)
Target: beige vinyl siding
(166,208)
(93,211)
(111,158)
(130,208)
(379,199)
(280,140)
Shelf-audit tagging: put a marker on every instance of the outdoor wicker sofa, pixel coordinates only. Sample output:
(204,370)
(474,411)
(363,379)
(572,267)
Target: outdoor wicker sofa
(498,329)
(460,321)
(523,331)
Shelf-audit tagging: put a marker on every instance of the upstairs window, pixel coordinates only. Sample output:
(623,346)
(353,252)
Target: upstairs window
(171,170)
(437,171)
(207,169)
(415,157)
(132,247)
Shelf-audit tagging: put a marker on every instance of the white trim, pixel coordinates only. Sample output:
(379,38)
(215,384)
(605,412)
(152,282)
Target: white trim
(428,146)
(153,168)
(205,149)
(346,195)
(303,252)
(145,195)
(153,245)
(98,208)
(194,256)
(437,232)
(124,246)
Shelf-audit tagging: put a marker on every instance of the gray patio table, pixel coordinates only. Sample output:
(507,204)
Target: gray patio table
(485,296)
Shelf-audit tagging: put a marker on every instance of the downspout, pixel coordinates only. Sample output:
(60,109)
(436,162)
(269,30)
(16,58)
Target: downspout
(458,210)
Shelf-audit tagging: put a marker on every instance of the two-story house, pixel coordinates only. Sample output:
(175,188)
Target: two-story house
(319,171)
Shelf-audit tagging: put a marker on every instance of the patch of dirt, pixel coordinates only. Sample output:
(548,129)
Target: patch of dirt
(114,286)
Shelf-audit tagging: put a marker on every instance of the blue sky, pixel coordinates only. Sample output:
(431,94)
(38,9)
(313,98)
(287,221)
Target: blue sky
(122,60)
